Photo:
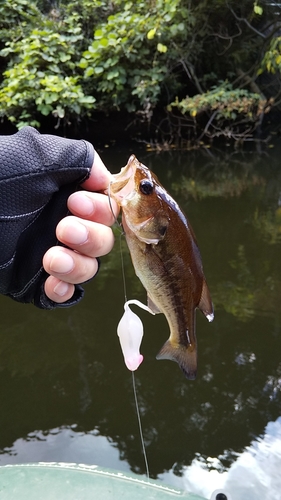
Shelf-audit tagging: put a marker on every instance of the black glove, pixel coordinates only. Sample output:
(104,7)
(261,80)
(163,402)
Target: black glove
(37,174)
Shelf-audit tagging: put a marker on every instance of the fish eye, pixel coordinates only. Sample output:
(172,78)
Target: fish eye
(146,187)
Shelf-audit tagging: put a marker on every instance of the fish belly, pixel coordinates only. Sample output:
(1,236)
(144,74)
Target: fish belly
(170,289)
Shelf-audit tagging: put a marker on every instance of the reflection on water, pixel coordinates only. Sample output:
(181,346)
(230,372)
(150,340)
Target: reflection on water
(64,444)
(65,392)
(255,474)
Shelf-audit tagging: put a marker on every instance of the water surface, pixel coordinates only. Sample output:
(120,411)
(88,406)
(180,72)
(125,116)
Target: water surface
(65,392)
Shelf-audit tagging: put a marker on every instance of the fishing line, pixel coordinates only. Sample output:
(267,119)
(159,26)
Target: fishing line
(133,373)
(123,267)
(140,426)
(125,295)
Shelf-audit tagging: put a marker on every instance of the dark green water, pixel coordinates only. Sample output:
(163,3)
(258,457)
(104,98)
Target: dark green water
(65,392)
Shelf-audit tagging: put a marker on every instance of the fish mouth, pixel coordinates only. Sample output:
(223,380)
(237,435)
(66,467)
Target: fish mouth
(123,184)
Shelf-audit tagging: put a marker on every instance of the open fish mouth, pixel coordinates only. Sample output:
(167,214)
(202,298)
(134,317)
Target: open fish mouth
(123,184)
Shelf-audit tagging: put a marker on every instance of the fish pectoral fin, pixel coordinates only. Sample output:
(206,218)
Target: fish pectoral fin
(205,304)
(152,306)
(186,357)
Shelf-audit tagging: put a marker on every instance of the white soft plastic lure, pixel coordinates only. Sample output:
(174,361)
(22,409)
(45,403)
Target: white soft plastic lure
(130,333)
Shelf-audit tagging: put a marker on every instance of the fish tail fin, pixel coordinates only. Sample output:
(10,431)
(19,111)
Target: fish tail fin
(205,304)
(186,357)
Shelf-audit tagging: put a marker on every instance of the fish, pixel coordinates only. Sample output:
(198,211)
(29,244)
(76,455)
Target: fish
(166,259)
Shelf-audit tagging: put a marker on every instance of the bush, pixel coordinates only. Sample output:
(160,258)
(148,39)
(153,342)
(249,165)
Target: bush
(93,55)
(42,75)
(223,111)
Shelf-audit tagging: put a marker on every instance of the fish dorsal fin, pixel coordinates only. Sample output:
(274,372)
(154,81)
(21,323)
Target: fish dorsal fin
(152,306)
(205,304)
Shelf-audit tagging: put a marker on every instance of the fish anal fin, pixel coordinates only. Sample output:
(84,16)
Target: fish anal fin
(152,306)
(205,304)
(186,357)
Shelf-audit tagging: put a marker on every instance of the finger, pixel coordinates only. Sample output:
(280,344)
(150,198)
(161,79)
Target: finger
(86,237)
(100,177)
(57,290)
(93,206)
(69,266)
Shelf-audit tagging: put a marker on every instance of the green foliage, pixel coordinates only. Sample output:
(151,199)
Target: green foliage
(271,61)
(69,59)
(41,76)
(222,111)
(228,103)
(17,16)
(130,55)
(123,62)
(258,9)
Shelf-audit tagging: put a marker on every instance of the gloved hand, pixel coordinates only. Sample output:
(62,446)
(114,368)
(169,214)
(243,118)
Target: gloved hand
(37,175)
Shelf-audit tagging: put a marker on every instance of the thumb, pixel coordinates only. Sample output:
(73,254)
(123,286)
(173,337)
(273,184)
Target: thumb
(99,178)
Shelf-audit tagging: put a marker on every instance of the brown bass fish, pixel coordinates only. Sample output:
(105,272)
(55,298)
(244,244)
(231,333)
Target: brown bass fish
(166,259)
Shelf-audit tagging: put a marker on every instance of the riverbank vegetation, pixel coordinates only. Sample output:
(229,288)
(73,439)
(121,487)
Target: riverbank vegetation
(191,70)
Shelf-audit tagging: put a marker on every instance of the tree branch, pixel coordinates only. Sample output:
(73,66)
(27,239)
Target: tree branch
(249,81)
(244,20)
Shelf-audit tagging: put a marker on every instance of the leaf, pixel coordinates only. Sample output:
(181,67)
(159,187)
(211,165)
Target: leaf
(98,70)
(83,63)
(89,72)
(162,48)
(60,112)
(112,74)
(98,34)
(88,99)
(64,57)
(278,59)
(104,42)
(151,34)
(45,109)
(181,27)
(257,9)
